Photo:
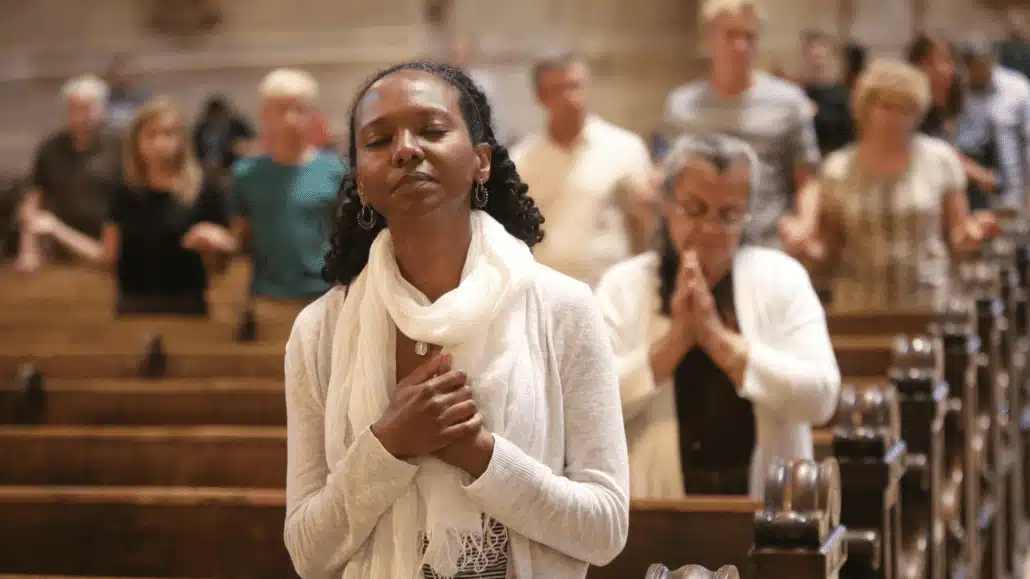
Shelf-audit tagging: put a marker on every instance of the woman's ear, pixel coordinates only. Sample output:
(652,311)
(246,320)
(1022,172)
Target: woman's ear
(484,154)
(361,192)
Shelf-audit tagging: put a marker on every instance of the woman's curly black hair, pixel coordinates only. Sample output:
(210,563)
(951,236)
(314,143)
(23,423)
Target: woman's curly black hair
(508,201)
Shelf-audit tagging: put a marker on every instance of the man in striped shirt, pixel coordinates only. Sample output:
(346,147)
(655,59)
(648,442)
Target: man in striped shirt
(997,116)
(770,114)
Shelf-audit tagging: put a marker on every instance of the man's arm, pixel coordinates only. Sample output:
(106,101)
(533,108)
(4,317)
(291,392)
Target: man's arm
(638,194)
(28,242)
(1024,137)
(806,157)
(239,209)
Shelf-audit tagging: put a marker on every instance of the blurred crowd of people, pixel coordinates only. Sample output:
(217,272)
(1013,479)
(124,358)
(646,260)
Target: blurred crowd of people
(875,174)
(872,173)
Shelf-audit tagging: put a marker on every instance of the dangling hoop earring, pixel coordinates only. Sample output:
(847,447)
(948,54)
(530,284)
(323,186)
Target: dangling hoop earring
(480,195)
(366,217)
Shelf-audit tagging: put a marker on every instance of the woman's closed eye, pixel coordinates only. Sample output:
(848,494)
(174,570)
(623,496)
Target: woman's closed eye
(434,132)
(377,141)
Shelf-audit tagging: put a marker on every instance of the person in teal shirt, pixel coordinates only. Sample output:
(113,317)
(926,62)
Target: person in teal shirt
(283,199)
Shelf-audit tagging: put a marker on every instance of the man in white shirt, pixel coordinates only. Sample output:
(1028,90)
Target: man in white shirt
(590,178)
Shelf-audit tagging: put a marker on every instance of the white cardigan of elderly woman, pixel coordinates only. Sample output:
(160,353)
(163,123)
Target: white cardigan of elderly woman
(722,351)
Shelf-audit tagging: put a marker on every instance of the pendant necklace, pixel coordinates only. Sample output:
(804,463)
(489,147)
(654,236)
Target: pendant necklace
(421,348)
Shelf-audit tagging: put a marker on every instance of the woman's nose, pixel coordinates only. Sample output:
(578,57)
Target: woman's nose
(406,149)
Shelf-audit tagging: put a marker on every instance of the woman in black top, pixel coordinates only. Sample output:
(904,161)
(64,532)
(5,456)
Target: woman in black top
(164,219)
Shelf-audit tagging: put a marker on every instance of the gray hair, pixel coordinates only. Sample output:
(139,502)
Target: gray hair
(718,149)
(87,87)
(713,8)
(551,61)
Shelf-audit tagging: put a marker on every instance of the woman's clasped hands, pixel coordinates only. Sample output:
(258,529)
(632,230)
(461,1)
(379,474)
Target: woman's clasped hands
(433,413)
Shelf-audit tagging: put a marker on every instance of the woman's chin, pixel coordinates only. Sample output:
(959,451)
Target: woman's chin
(416,200)
(426,206)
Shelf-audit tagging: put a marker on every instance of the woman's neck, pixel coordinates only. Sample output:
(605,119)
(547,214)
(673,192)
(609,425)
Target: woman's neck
(162,178)
(431,253)
(883,154)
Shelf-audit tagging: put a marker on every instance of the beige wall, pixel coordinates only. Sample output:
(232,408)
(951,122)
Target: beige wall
(42,42)
(638,49)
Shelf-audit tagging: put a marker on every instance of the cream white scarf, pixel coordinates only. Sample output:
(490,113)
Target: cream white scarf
(482,323)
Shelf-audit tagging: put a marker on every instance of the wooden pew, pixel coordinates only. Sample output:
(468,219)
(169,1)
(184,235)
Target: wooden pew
(710,531)
(85,286)
(134,332)
(137,402)
(70,303)
(795,533)
(185,456)
(867,443)
(929,497)
(163,521)
(56,520)
(994,436)
(183,361)
(36,576)
(143,531)
(920,391)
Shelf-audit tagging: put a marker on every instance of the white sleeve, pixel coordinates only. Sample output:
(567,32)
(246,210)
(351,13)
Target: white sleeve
(624,323)
(330,511)
(592,493)
(796,373)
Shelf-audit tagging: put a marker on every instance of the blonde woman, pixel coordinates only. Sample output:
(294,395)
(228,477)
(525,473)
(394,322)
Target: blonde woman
(891,208)
(161,219)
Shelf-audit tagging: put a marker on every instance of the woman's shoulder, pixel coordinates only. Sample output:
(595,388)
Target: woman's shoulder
(316,322)
(929,145)
(565,303)
(755,264)
(555,288)
(938,158)
(569,317)
(838,163)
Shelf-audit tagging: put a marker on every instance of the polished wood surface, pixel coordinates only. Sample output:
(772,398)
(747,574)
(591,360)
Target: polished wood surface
(118,475)
(171,401)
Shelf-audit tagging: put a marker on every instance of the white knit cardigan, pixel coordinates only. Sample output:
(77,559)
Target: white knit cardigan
(563,511)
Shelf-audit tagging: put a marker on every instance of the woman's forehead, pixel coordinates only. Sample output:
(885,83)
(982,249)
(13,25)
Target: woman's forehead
(403,90)
(161,122)
(701,178)
(699,169)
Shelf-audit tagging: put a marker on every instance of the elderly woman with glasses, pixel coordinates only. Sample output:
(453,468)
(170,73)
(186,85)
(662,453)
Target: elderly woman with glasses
(891,209)
(722,350)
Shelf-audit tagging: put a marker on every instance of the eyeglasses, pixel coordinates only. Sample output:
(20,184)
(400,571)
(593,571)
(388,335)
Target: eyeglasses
(727,218)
